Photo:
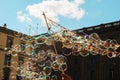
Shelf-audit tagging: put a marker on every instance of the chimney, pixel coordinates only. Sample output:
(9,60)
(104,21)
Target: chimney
(5,25)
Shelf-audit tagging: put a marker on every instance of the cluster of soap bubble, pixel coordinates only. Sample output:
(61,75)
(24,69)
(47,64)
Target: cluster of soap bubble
(41,63)
(84,44)
(38,63)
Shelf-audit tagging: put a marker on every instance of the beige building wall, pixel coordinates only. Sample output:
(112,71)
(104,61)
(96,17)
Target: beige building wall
(2,56)
(3,40)
(2,53)
(14,59)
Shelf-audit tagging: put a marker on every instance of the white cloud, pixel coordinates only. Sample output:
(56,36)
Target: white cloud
(23,17)
(55,8)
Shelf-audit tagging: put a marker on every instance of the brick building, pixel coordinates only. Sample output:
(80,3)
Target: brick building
(7,39)
(97,67)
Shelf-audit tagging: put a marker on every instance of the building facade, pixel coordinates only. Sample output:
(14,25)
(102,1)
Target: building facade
(97,67)
(7,39)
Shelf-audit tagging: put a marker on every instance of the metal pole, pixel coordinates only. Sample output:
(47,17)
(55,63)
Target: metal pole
(49,32)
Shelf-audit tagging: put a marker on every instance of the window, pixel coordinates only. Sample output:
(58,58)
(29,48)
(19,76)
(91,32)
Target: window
(6,73)
(20,55)
(111,73)
(7,60)
(9,42)
(92,75)
(20,59)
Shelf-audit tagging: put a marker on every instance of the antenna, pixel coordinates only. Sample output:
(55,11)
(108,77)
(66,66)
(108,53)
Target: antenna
(29,29)
(37,28)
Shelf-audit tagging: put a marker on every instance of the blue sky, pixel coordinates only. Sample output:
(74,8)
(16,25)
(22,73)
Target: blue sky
(26,15)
